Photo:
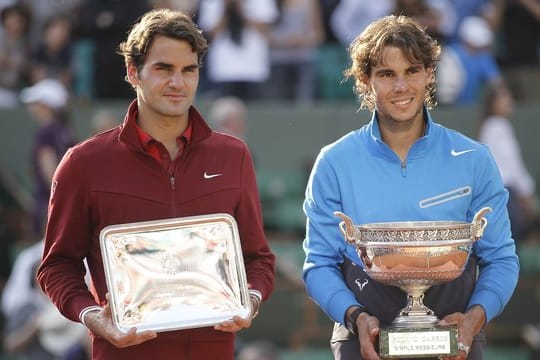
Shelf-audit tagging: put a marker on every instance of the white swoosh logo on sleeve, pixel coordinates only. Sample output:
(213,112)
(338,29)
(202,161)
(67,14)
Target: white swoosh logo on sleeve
(458,153)
(210,176)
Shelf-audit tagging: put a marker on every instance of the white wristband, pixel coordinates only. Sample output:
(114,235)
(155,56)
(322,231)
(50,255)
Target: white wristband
(86,311)
(255,293)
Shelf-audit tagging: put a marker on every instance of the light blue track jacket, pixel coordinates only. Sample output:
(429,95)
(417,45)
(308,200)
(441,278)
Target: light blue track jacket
(446,177)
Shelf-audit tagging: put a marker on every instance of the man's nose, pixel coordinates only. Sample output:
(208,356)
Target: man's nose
(176,80)
(400,84)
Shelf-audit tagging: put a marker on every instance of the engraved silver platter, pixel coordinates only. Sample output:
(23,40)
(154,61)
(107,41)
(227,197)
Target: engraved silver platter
(414,255)
(176,273)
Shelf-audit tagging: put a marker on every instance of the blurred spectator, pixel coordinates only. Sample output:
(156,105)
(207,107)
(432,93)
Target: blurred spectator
(188,6)
(103,120)
(47,103)
(34,329)
(57,334)
(21,303)
(16,232)
(258,350)
(351,17)
(496,131)
(52,57)
(433,15)
(327,8)
(462,9)
(106,22)
(228,115)
(238,59)
(529,252)
(468,66)
(347,21)
(519,51)
(6,3)
(20,285)
(43,10)
(294,42)
(14,53)
(79,351)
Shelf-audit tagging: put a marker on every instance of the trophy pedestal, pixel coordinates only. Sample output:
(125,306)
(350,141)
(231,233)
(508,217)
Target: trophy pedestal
(434,341)
(415,333)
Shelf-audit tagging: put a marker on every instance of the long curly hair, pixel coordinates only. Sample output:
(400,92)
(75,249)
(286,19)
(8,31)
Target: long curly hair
(400,31)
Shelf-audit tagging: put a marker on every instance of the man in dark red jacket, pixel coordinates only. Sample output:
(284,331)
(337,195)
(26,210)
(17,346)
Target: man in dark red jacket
(162,162)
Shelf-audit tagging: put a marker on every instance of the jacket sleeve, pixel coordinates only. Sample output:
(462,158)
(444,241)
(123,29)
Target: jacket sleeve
(496,250)
(61,274)
(324,245)
(258,258)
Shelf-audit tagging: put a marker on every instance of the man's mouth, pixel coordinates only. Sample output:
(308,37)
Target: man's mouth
(402,102)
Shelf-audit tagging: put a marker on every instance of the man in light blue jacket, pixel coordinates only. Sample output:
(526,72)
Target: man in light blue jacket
(402,166)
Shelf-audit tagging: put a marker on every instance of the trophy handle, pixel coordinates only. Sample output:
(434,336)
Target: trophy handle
(479,223)
(348,230)
(347,227)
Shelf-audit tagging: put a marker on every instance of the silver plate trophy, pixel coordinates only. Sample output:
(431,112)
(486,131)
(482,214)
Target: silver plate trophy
(414,256)
(175,274)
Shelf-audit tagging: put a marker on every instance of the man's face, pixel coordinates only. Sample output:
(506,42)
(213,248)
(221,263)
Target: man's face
(167,82)
(399,87)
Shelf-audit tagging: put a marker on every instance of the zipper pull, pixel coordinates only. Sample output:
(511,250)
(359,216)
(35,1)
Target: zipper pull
(173,183)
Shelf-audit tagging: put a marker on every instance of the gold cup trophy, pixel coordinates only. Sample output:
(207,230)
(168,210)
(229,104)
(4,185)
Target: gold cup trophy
(415,255)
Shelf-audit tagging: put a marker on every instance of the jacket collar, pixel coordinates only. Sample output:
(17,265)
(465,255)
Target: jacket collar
(128,132)
(417,150)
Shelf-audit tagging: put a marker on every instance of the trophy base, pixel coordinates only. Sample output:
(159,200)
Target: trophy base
(403,343)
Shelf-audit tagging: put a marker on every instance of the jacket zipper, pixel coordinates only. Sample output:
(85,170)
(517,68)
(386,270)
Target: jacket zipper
(172,178)
(404,169)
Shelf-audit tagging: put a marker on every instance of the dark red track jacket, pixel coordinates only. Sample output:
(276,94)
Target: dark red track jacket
(109,179)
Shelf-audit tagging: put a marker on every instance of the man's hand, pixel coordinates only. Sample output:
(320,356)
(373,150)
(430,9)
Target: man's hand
(469,324)
(238,323)
(368,331)
(101,324)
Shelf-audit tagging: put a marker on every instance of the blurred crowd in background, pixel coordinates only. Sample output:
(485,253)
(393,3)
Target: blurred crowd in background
(54,54)
(267,49)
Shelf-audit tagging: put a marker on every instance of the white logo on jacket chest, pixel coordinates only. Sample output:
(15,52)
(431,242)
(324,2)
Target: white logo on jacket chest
(206,175)
(458,153)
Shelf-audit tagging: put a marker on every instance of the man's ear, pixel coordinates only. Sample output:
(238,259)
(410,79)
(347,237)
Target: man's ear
(132,74)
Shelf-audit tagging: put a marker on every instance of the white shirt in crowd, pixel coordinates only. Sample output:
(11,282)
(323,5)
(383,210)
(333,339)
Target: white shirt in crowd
(497,132)
(248,61)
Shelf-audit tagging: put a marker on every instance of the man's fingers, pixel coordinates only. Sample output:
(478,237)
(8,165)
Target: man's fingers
(133,338)
(235,324)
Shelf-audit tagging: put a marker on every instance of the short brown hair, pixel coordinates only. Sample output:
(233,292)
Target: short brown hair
(400,31)
(169,23)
